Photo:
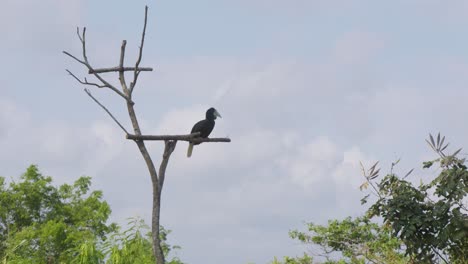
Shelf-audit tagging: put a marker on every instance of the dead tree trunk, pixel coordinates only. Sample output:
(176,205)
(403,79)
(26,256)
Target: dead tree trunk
(126,93)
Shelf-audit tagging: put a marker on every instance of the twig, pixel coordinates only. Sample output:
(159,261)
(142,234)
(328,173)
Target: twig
(105,109)
(83,43)
(194,138)
(437,252)
(376,193)
(75,58)
(90,68)
(85,82)
(140,54)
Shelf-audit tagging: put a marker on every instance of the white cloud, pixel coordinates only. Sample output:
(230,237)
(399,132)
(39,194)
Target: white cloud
(30,21)
(348,173)
(312,162)
(56,146)
(12,118)
(296,7)
(357,47)
(180,121)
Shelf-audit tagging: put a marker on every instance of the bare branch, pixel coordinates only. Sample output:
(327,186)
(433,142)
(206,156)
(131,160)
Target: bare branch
(121,63)
(90,68)
(137,72)
(78,34)
(105,109)
(194,138)
(168,149)
(85,82)
(117,69)
(75,58)
(110,86)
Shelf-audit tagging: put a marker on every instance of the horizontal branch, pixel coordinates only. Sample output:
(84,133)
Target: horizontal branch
(201,140)
(190,137)
(118,69)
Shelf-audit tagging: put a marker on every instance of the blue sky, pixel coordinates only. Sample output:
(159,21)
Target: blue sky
(307,89)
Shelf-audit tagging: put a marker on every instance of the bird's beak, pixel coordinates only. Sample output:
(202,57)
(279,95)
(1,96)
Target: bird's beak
(216,113)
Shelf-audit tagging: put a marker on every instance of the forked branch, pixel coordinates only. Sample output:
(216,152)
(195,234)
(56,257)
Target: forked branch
(85,82)
(86,63)
(169,146)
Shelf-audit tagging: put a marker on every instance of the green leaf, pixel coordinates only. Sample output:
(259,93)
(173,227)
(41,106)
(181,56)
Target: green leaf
(364,200)
(427,164)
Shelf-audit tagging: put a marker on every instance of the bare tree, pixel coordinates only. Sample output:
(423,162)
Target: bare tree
(126,92)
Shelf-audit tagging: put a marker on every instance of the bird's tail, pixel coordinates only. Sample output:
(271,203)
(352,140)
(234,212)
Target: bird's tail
(189,150)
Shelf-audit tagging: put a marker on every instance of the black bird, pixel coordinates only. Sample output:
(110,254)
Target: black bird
(204,127)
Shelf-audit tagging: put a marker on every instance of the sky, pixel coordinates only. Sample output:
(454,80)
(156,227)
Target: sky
(307,91)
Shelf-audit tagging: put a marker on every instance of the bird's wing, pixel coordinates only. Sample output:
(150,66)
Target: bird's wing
(198,126)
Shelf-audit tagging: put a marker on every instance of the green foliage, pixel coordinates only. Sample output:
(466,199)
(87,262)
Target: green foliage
(305,259)
(41,223)
(358,240)
(87,253)
(431,219)
(134,245)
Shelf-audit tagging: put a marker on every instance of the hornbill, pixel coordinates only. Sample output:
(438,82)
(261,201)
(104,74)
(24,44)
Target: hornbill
(204,127)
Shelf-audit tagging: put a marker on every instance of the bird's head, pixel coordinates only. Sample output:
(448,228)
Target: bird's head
(212,113)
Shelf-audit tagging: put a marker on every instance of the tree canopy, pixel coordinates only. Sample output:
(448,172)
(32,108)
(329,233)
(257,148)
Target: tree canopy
(41,223)
(406,223)
(430,218)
